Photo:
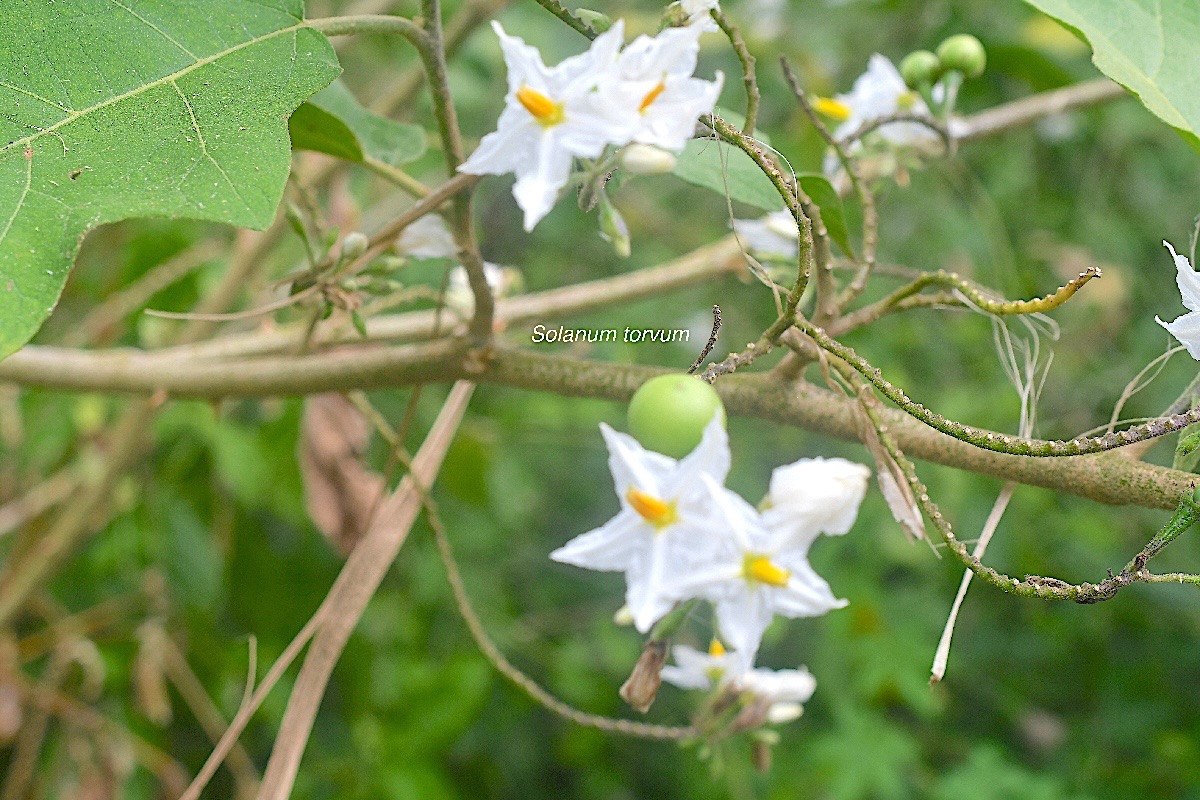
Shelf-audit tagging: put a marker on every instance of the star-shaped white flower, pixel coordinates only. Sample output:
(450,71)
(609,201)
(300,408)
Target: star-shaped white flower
(696,670)
(1186,328)
(551,116)
(754,574)
(878,92)
(881,92)
(814,496)
(783,690)
(654,76)
(666,528)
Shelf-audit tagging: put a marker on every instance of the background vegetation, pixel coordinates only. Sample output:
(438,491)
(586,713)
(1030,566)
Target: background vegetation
(207,541)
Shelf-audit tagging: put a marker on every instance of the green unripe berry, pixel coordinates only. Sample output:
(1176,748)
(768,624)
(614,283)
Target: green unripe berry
(668,413)
(964,53)
(920,68)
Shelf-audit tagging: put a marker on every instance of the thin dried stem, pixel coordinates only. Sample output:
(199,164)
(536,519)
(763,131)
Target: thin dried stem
(506,668)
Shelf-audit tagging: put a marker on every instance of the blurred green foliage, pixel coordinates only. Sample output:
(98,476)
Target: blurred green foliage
(1040,701)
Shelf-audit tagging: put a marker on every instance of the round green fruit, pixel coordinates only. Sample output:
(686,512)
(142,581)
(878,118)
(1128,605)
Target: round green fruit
(920,68)
(668,413)
(964,53)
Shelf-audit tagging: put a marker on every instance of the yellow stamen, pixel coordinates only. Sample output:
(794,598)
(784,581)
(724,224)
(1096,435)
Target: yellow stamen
(834,109)
(715,648)
(760,568)
(651,96)
(659,513)
(544,110)
(905,101)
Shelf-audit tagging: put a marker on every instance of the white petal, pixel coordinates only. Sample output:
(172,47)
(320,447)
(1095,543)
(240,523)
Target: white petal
(783,685)
(634,466)
(609,548)
(1187,279)
(815,495)
(742,620)
(1187,330)
(647,590)
(670,121)
(806,594)
(512,146)
(711,457)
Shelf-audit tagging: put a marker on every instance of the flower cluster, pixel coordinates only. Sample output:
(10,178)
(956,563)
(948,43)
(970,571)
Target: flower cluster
(642,93)
(681,535)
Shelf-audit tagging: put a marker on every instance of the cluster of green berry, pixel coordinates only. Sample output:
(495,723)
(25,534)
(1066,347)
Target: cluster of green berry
(961,52)
(957,58)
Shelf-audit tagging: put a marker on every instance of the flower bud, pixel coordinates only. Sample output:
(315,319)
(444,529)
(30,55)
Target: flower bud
(964,53)
(354,245)
(613,228)
(642,686)
(599,21)
(644,159)
(815,495)
(920,68)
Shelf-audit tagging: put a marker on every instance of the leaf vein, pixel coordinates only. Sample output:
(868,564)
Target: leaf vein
(153,27)
(204,145)
(35,96)
(153,84)
(20,200)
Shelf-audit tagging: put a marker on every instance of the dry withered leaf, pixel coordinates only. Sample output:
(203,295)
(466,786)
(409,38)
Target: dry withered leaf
(340,493)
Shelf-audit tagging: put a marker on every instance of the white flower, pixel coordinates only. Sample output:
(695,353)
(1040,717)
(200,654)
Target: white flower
(754,574)
(665,530)
(428,237)
(784,691)
(501,280)
(878,92)
(1186,328)
(654,77)
(815,496)
(774,236)
(881,92)
(696,670)
(551,116)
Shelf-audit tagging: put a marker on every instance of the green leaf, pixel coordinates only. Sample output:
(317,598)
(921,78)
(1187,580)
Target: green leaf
(313,128)
(333,122)
(821,192)
(143,108)
(1147,46)
(727,171)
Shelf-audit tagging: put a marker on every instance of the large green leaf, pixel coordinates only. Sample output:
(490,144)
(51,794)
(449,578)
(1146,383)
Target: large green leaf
(1147,46)
(111,109)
